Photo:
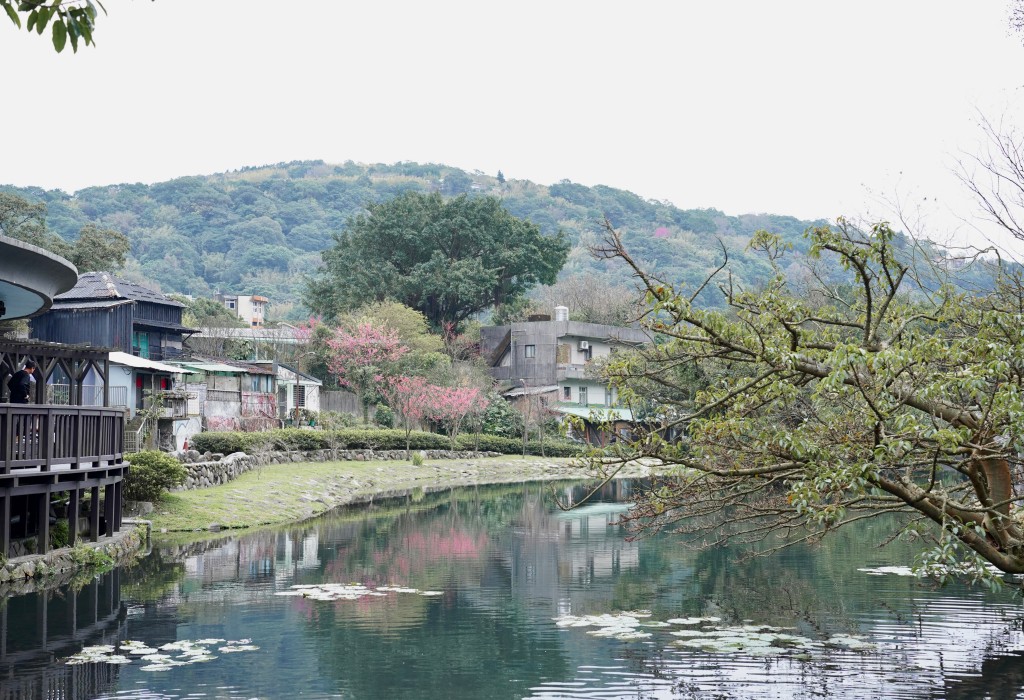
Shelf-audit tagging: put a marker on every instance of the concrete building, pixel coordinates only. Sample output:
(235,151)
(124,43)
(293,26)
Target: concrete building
(250,308)
(551,359)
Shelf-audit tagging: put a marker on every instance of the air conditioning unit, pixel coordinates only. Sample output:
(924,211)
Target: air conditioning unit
(584,345)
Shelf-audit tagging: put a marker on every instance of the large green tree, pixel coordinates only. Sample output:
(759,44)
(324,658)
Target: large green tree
(828,404)
(447,258)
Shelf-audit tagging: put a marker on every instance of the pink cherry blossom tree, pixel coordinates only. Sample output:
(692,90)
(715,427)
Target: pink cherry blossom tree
(362,357)
(451,406)
(412,399)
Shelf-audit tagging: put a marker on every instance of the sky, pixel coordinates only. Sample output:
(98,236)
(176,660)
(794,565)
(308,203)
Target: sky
(806,108)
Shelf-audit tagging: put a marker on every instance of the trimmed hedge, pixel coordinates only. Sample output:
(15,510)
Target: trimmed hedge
(380,439)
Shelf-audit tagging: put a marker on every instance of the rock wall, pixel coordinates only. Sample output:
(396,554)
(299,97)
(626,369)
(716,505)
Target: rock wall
(59,563)
(210,469)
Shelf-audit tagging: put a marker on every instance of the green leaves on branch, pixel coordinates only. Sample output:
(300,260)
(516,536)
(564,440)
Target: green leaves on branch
(72,19)
(889,389)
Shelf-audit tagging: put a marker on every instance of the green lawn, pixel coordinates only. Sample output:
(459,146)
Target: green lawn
(281,493)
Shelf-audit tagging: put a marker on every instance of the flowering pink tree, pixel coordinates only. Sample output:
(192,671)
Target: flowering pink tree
(451,406)
(361,358)
(411,398)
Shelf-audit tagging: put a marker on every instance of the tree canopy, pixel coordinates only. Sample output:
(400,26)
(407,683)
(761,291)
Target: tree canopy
(838,402)
(95,249)
(447,258)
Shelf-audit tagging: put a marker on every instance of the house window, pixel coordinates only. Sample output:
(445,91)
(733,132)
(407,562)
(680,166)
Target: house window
(609,397)
(567,393)
(300,396)
(530,351)
(583,396)
(231,304)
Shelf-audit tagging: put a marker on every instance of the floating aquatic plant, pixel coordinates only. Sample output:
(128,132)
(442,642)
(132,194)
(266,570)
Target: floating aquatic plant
(190,652)
(349,591)
(751,639)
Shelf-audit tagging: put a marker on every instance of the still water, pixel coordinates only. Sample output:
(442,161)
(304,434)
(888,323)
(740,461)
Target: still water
(483,575)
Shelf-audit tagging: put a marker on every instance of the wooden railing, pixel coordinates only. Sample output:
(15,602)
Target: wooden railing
(46,436)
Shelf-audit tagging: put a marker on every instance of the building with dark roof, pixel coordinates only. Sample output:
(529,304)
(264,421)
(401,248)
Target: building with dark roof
(105,311)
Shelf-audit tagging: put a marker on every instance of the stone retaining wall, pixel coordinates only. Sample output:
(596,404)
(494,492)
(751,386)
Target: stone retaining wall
(59,563)
(210,469)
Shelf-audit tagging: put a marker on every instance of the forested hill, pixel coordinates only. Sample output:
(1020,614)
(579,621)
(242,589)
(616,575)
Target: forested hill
(260,229)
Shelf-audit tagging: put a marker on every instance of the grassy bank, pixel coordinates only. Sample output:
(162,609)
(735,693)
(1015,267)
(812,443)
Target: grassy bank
(282,493)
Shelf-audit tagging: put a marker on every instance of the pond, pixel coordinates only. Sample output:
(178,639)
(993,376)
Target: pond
(496,593)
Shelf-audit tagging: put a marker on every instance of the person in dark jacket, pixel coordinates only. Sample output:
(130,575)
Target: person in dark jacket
(20,383)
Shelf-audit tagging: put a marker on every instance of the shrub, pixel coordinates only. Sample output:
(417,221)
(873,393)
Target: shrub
(59,534)
(417,459)
(151,474)
(333,420)
(489,443)
(228,442)
(384,416)
(373,439)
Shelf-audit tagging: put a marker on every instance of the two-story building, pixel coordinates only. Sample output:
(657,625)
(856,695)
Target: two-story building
(251,308)
(108,312)
(551,359)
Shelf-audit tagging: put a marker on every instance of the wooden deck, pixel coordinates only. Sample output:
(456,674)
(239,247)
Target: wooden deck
(51,450)
(55,453)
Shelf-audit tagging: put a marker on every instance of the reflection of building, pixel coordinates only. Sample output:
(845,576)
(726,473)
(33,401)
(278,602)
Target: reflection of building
(38,629)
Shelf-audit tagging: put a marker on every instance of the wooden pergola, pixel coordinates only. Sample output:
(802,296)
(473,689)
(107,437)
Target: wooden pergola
(56,450)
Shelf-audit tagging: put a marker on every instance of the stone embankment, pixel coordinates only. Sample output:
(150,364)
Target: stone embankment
(36,571)
(212,469)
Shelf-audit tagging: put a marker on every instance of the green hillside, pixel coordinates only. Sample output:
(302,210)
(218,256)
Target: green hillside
(261,229)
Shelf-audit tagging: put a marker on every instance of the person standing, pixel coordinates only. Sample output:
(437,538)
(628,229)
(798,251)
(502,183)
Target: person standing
(20,383)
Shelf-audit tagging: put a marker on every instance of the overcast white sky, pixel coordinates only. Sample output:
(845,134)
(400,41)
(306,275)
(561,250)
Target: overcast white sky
(810,108)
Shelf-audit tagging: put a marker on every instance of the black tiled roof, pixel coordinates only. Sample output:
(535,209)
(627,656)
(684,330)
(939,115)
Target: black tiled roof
(96,286)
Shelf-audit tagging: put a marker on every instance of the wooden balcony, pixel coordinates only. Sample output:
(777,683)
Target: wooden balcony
(50,450)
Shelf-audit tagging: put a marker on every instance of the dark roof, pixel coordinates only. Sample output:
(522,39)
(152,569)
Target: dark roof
(103,285)
(88,305)
(162,325)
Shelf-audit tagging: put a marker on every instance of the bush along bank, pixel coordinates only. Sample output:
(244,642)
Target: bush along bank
(379,442)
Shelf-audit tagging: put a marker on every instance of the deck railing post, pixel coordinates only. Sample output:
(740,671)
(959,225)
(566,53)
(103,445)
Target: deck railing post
(5,518)
(74,503)
(43,523)
(108,509)
(8,454)
(94,514)
(45,438)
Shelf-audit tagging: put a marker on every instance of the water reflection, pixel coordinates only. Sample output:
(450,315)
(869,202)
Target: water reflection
(506,561)
(38,629)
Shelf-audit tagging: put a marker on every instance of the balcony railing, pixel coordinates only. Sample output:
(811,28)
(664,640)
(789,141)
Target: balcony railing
(157,354)
(48,436)
(60,394)
(567,371)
